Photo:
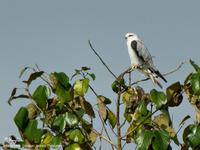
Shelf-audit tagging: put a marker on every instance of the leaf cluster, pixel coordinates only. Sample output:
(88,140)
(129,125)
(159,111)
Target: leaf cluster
(62,109)
(59,114)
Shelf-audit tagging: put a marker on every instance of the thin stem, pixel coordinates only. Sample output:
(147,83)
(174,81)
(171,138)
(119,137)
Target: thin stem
(124,145)
(101,59)
(119,144)
(123,123)
(129,75)
(100,137)
(179,130)
(91,88)
(43,78)
(104,128)
(104,138)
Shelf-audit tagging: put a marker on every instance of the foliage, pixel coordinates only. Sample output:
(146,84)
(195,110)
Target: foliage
(60,105)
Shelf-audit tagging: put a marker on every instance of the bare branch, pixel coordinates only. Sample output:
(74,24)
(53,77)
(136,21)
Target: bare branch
(103,127)
(104,138)
(101,60)
(124,122)
(43,78)
(91,88)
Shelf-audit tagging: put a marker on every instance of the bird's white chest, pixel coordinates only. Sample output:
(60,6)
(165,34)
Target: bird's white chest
(133,56)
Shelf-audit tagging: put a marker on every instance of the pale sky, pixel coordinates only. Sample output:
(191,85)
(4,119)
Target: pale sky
(54,35)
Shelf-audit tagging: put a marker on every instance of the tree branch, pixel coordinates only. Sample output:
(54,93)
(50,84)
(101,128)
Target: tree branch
(119,144)
(101,60)
(43,78)
(103,125)
(104,138)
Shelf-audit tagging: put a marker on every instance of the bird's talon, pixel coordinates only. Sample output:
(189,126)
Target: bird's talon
(135,67)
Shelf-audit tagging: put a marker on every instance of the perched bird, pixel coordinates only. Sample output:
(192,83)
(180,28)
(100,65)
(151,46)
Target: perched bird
(141,58)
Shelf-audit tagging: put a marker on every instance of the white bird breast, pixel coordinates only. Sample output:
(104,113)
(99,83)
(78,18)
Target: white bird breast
(133,57)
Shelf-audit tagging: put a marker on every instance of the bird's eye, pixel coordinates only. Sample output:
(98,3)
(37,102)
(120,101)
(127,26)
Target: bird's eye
(130,35)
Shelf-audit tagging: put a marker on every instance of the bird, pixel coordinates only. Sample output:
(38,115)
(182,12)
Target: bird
(141,59)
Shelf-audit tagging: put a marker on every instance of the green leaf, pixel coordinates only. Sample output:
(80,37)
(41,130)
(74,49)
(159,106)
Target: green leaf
(79,113)
(174,96)
(73,146)
(62,78)
(195,66)
(33,76)
(71,119)
(112,118)
(84,68)
(153,139)
(22,71)
(191,135)
(127,115)
(195,83)
(104,99)
(158,98)
(41,95)
(115,87)
(21,118)
(46,139)
(56,141)
(144,140)
(81,86)
(59,123)
(32,133)
(92,75)
(77,136)
(142,108)
(117,84)
(161,141)
(141,119)
(65,94)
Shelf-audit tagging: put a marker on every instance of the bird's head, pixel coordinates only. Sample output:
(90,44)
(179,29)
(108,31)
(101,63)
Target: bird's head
(130,36)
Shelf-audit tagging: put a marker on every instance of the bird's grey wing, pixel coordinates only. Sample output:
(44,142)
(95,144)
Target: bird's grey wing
(144,55)
(142,52)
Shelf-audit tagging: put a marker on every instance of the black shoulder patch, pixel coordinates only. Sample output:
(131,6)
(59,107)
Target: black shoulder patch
(134,45)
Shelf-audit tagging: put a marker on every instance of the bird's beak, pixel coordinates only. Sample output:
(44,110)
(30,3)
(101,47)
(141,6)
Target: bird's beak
(125,38)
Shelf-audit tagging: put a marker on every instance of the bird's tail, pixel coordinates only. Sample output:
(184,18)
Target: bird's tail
(154,74)
(154,80)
